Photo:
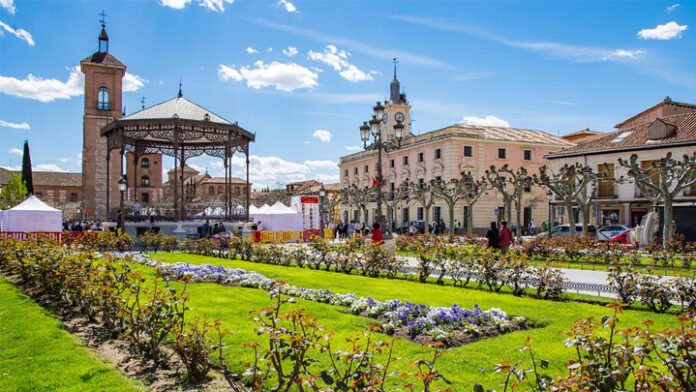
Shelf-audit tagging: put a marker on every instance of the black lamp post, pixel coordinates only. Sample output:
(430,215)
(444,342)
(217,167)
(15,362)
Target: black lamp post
(122,186)
(549,196)
(379,144)
(322,193)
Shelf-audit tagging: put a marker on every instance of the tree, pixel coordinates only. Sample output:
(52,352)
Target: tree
(663,180)
(423,194)
(464,187)
(473,189)
(13,193)
(519,180)
(566,185)
(393,198)
(359,197)
(26,169)
(583,198)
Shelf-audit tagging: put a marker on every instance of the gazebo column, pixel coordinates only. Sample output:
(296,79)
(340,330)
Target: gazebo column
(123,153)
(183,165)
(135,174)
(176,183)
(227,184)
(248,188)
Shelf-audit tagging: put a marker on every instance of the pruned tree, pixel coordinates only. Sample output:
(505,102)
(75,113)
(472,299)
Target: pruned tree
(399,194)
(663,181)
(358,197)
(588,180)
(423,194)
(328,208)
(567,184)
(463,188)
(512,185)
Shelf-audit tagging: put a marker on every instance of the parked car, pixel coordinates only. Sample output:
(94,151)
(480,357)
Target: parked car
(607,232)
(623,238)
(564,231)
(403,229)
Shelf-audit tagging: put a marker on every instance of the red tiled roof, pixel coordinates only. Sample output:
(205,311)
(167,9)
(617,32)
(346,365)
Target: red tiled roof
(221,180)
(637,138)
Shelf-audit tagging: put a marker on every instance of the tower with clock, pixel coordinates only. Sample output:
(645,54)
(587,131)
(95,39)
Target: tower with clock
(396,109)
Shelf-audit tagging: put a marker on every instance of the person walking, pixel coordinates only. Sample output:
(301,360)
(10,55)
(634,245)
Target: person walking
(412,230)
(492,236)
(532,227)
(505,237)
(377,238)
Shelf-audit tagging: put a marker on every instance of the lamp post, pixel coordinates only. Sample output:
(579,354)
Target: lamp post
(322,193)
(549,196)
(122,186)
(375,129)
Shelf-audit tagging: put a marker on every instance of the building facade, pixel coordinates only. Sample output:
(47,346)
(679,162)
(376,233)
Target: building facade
(444,154)
(57,189)
(650,135)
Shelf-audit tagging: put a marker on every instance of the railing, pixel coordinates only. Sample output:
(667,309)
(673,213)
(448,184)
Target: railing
(284,236)
(21,235)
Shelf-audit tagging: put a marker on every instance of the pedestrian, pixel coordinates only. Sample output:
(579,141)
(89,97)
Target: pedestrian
(492,236)
(259,226)
(377,238)
(532,227)
(136,208)
(412,230)
(505,237)
(205,229)
(442,228)
(351,229)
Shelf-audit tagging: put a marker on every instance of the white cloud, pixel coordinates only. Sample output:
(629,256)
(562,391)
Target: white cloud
(132,82)
(63,160)
(321,165)
(624,54)
(290,7)
(353,148)
(269,49)
(323,135)
(281,76)
(338,60)
(19,33)
(211,5)
(48,90)
(7,124)
(291,51)
(488,121)
(672,7)
(8,5)
(251,50)
(557,102)
(16,151)
(666,31)
(49,167)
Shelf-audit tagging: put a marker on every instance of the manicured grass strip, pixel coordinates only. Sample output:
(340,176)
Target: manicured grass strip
(465,365)
(37,355)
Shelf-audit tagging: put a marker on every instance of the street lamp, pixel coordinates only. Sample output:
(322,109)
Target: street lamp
(549,196)
(375,129)
(322,193)
(122,186)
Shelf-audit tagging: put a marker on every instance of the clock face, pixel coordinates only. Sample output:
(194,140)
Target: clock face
(399,117)
(385,118)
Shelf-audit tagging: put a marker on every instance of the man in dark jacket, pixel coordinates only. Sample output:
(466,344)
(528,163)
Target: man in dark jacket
(492,236)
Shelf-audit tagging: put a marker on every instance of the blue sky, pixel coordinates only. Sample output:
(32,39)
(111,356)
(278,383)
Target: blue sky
(303,75)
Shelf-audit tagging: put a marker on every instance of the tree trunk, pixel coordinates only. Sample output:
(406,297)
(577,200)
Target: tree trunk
(571,218)
(470,219)
(667,224)
(426,215)
(585,218)
(518,216)
(451,217)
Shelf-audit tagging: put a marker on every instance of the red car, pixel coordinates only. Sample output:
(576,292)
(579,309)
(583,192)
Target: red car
(622,238)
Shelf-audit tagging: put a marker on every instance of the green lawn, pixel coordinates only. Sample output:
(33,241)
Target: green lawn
(464,365)
(37,355)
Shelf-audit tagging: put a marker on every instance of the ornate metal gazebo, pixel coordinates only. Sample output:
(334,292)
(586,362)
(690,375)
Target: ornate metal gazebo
(181,129)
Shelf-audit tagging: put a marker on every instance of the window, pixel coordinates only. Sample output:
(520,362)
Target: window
(527,188)
(436,213)
(345,172)
(237,190)
(527,155)
(355,170)
(73,197)
(145,197)
(405,160)
(404,216)
(103,98)
(438,153)
(391,163)
(421,181)
(145,163)
(438,178)
(420,157)
(468,151)
(367,168)
(211,191)
(419,213)
(606,188)
(621,137)
(145,181)
(502,153)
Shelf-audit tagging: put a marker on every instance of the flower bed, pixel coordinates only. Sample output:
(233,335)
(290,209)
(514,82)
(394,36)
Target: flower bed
(451,325)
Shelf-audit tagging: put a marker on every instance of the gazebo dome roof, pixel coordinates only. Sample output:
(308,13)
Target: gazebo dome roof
(178,107)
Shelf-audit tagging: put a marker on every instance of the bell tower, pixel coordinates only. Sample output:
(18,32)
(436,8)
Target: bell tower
(397,109)
(103,101)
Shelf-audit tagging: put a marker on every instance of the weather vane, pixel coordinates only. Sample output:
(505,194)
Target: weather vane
(142,102)
(103,18)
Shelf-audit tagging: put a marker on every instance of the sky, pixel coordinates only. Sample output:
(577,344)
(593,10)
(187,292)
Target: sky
(303,74)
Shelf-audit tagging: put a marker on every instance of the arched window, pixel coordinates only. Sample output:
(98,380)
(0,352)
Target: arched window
(145,181)
(220,190)
(145,163)
(211,190)
(103,98)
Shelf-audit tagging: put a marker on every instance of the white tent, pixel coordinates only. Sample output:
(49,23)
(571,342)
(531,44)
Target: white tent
(278,217)
(32,215)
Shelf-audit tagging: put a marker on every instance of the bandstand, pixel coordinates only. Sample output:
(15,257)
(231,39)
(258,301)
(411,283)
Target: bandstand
(182,130)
